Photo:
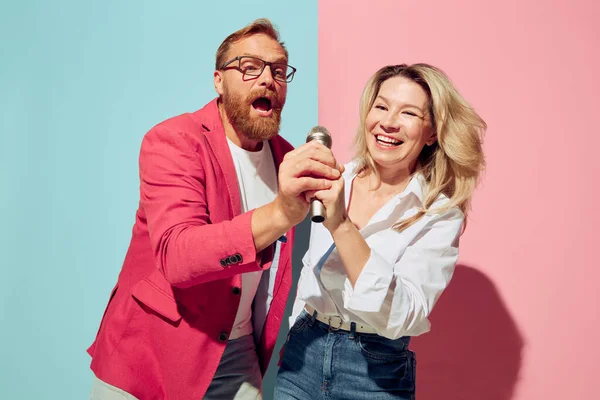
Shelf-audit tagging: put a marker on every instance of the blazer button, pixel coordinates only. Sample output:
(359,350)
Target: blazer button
(236,290)
(223,336)
(223,262)
(238,257)
(231,260)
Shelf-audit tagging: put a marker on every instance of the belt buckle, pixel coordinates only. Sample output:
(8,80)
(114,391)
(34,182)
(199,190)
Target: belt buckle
(339,326)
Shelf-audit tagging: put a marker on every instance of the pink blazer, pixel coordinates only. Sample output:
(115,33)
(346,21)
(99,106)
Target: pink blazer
(168,318)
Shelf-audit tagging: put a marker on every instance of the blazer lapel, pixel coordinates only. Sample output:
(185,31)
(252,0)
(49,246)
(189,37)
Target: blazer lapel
(215,136)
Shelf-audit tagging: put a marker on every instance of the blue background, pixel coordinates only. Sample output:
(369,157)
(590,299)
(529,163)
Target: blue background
(80,84)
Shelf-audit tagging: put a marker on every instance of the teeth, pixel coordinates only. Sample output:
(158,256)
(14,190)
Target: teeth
(387,140)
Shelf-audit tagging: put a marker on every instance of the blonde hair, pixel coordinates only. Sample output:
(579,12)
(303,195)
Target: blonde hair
(261,25)
(453,164)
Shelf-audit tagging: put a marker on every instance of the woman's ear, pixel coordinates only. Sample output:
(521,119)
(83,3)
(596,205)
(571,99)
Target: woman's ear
(432,138)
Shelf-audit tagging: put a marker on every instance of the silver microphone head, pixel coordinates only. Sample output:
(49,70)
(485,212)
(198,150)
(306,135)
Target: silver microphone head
(321,134)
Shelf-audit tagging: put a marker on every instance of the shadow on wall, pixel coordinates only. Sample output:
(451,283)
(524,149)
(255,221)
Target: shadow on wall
(474,348)
(473,351)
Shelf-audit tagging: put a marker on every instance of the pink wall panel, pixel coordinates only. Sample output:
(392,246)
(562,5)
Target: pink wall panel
(520,319)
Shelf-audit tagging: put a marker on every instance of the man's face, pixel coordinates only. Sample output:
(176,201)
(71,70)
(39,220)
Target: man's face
(253,103)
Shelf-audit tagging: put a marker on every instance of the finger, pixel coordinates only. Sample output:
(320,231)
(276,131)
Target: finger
(306,184)
(302,149)
(293,153)
(308,195)
(315,151)
(324,195)
(314,168)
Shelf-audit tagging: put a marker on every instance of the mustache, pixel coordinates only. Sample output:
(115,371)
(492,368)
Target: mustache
(266,93)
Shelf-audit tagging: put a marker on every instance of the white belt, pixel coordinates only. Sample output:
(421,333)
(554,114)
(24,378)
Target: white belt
(336,322)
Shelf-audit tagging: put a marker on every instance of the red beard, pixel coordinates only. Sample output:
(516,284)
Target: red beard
(254,127)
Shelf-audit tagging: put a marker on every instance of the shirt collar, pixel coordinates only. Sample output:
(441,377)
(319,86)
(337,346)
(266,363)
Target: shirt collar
(415,186)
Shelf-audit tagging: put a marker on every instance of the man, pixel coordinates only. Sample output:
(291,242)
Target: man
(201,295)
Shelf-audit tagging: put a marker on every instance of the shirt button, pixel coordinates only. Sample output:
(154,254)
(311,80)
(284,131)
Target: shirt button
(236,290)
(223,336)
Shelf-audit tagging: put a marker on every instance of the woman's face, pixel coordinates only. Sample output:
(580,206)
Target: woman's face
(398,125)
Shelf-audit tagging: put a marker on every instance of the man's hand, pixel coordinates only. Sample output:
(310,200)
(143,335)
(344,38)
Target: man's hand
(310,167)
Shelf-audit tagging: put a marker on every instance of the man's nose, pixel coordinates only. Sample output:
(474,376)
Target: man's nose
(266,77)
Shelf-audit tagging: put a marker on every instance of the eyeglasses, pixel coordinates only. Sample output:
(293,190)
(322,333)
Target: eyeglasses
(252,67)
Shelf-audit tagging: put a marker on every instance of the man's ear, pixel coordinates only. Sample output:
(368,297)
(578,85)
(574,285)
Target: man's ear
(218,81)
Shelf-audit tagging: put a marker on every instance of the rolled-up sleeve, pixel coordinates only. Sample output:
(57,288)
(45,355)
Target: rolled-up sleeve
(394,298)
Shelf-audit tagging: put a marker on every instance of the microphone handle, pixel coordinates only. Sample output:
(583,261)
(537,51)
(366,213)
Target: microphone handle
(317,210)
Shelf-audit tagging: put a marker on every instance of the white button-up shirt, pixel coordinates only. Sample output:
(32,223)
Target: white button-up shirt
(404,275)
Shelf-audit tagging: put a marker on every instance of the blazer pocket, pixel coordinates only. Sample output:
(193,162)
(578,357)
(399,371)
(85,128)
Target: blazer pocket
(157,294)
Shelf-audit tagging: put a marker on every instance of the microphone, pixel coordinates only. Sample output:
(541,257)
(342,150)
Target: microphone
(320,134)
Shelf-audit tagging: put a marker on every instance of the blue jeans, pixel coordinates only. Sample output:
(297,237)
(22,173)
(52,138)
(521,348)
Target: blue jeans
(321,363)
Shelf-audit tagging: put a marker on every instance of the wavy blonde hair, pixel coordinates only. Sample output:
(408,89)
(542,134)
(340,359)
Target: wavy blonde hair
(453,164)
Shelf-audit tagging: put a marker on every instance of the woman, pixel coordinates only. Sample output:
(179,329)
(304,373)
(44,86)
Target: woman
(387,249)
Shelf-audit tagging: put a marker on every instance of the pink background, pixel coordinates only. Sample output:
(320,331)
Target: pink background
(521,314)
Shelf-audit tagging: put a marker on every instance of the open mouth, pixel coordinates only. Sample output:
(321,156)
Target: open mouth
(386,141)
(263,105)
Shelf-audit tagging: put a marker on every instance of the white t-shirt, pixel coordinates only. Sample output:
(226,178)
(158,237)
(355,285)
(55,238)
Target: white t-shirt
(257,180)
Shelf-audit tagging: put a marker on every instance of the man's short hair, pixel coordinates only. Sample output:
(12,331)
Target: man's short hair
(261,25)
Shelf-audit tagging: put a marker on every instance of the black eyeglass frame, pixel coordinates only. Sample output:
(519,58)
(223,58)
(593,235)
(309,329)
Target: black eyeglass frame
(288,78)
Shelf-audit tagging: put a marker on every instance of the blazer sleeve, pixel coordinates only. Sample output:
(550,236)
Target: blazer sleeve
(187,247)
